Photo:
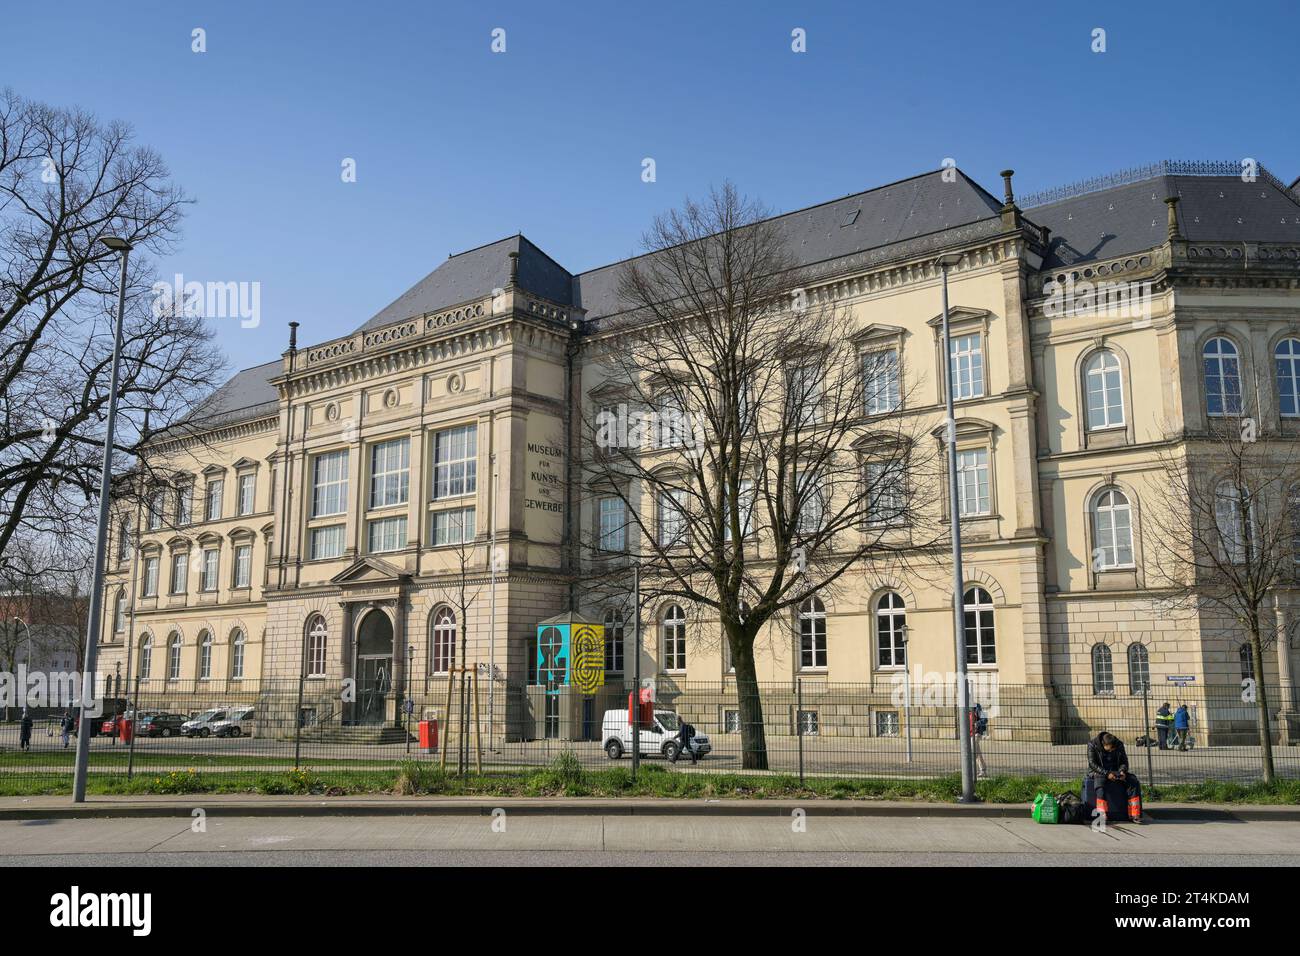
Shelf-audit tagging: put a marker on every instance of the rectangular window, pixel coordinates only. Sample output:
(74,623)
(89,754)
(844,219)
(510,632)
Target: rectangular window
(184,505)
(613,644)
(804,394)
(809,725)
(967,356)
(208,575)
(386,534)
(180,562)
(672,517)
(886,723)
(390,470)
(326,542)
(329,484)
(812,506)
(154,518)
(247,490)
(746,508)
(613,524)
(216,488)
(455,462)
(672,428)
(880,382)
(886,493)
(150,588)
(452,527)
(123,541)
(243,565)
(731,721)
(973,482)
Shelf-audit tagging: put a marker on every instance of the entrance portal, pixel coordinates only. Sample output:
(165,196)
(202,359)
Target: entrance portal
(374,671)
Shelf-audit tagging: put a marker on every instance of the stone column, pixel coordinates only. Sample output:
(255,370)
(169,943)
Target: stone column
(1288,718)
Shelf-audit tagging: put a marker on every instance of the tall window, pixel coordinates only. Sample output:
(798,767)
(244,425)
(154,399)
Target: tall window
(1103,675)
(146,656)
(613,641)
(803,394)
(119,613)
(886,492)
(455,462)
(978,626)
(329,484)
(1287,357)
(205,656)
(442,641)
(123,540)
(247,488)
(1294,509)
(149,586)
(674,628)
(973,482)
(672,427)
(326,542)
(154,511)
(1139,668)
(174,657)
(387,534)
(216,488)
(613,524)
(746,509)
(891,621)
(1112,528)
(1104,386)
(180,564)
(880,381)
(1246,655)
(1222,378)
(208,574)
(812,507)
(243,565)
(390,471)
(1233,511)
(237,656)
(184,504)
(967,356)
(672,517)
(453,527)
(317,638)
(812,634)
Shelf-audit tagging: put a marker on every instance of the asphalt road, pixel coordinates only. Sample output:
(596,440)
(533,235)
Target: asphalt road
(561,840)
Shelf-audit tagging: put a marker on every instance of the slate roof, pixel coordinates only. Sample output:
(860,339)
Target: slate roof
(249,394)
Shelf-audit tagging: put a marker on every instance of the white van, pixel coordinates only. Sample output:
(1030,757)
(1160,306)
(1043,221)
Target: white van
(200,725)
(661,738)
(240,723)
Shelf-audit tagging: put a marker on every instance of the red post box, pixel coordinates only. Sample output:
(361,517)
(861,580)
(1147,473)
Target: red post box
(429,734)
(647,708)
(125,729)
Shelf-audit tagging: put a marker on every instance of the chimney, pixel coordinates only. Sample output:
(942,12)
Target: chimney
(1010,211)
(1172,203)
(293,344)
(514,268)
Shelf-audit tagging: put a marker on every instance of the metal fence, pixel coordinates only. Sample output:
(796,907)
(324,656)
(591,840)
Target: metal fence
(247,730)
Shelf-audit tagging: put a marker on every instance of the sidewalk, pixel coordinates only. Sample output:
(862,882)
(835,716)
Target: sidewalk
(241,805)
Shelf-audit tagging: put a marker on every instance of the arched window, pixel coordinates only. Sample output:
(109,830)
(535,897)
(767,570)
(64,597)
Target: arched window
(146,656)
(1112,531)
(237,655)
(812,633)
(1103,385)
(442,641)
(1246,654)
(205,656)
(674,633)
(891,631)
(1233,513)
(1287,357)
(1222,377)
(1103,674)
(981,647)
(174,657)
(613,641)
(119,612)
(1139,669)
(317,638)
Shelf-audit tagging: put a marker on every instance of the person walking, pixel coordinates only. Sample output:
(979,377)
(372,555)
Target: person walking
(25,730)
(1182,725)
(65,727)
(979,726)
(1164,724)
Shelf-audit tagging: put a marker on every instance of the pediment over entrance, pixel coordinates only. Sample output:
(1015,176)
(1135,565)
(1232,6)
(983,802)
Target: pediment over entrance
(370,571)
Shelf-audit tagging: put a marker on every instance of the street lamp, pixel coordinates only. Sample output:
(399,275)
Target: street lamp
(907,687)
(946,262)
(122,247)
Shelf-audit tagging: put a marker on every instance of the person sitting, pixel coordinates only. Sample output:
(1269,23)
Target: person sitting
(1108,761)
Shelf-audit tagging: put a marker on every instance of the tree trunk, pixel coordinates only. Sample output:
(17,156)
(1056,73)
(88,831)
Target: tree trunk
(753,739)
(1261,702)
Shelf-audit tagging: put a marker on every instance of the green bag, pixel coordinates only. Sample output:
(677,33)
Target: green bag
(1046,809)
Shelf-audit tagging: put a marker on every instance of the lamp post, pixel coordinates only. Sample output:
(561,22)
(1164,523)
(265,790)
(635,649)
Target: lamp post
(966,753)
(122,247)
(28,631)
(907,689)
(636,668)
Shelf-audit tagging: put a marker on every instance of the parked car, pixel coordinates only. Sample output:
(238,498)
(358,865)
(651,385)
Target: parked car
(200,725)
(240,723)
(110,709)
(616,733)
(159,725)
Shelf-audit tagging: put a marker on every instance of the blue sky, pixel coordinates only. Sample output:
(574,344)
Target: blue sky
(457,146)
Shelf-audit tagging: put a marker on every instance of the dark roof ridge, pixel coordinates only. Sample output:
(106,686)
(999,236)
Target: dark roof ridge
(1137,174)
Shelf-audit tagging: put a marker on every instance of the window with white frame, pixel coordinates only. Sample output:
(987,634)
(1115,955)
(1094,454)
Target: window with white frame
(886,492)
(613,641)
(612,518)
(672,428)
(216,488)
(977,623)
(1286,356)
(674,639)
(317,639)
(246,489)
(967,357)
(880,381)
(237,656)
(1222,377)
(455,462)
(672,517)
(119,612)
(1103,672)
(184,504)
(973,482)
(146,656)
(150,577)
(390,472)
(386,534)
(205,656)
(452,527)
(1246,655)
(746,509)
(812,634)
(1112,528)
(810,497)
(1233,515)
(174,657)
(1103,383)
(803,391)
(208,569)
(891,631)
(154,511)
(243,565)
(886,723)
(442,640)
(180,563)
(329,484)
(123,540)
(1139,669)
(326,542)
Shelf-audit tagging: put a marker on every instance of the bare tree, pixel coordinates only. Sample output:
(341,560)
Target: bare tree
(746,446)
(66,181)
(1225,531)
